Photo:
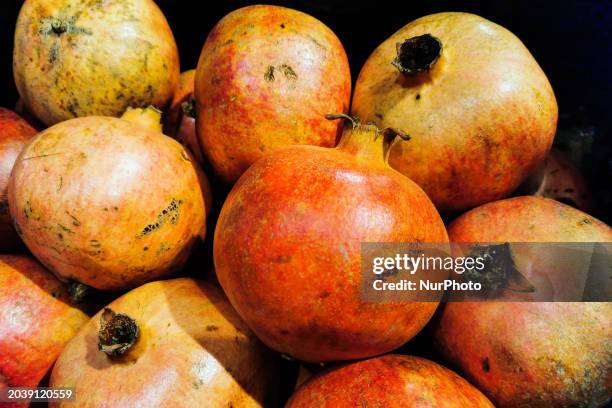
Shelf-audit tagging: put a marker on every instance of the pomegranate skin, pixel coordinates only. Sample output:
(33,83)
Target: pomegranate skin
(266,78)
(390,381)
(14,134)
(530,354)
(480,119)
(192,351)
(36,321)
(75,58)
(287,250)
(120,204)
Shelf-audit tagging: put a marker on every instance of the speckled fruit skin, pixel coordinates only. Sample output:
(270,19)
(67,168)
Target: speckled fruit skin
(266,78)
(480,119)
(193,351)
(288,241)
(36,321)
(14,134)
(107,202)
(530,354)
(104,56)
(391,381)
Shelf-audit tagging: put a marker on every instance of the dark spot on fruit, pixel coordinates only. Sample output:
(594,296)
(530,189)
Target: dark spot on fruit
(585,221)
(211,328)
(324,294)
(288,71)
(378,115)
(283,259)
(269,74)
(485,365)
(282,25)
(417,97)
(146,248)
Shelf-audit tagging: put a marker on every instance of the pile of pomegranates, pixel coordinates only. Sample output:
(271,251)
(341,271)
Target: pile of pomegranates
(112,287)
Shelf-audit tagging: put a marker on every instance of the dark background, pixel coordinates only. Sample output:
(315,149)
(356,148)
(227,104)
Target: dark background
(570,39)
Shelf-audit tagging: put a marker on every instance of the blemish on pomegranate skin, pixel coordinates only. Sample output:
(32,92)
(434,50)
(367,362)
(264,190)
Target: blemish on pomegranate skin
(486,367)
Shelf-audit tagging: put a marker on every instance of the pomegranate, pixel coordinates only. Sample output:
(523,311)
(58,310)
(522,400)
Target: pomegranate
(391,381)
(79,57)
(530,354)
(288,241)
(172,343)
(480,110)
(36,321)
(110,203)
(266,78)
(14,133)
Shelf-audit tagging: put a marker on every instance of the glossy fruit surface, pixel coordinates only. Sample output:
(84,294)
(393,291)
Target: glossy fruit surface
(191,350)
(480,117)
(391,381)
(36,321)
(288,241)
(266,78)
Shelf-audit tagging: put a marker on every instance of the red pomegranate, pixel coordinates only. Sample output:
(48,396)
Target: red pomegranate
(36,321)
(391,381)
(288,241)
(525,354)
(266,78)
(175,343)
(14,133)
(480,111)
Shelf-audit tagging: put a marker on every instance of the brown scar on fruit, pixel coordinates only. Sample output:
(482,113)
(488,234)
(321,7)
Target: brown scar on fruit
(118,333)
(288,71)
(269,74)
(169,214)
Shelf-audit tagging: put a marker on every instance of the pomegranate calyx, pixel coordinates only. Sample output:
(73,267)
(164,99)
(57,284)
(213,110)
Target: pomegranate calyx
(118,333)
(417,54)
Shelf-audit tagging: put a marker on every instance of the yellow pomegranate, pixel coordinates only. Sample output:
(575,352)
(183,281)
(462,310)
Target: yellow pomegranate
(77,58)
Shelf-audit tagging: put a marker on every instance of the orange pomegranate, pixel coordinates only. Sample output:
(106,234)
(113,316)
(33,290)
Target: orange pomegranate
(288,240)
(480,111)
(524,354)
(14,133)
(77,58)
(391,381)
(36,321)
(172,343)
(266,78)
(111,203)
